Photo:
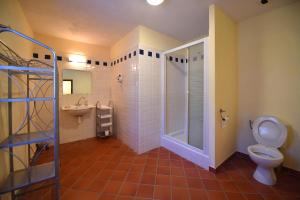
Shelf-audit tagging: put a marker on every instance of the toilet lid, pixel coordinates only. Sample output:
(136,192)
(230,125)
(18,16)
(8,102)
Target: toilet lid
(269,131)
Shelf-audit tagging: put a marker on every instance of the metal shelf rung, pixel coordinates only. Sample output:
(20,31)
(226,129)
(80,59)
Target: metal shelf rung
(25,69)
(26,99)
(22,178)
(105,116)
(103,107)
(26,138)
(14,72)
(106,124)
(40,79)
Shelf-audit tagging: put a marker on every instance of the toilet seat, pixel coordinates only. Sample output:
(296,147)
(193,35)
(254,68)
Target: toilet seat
(269,131)
(264,152)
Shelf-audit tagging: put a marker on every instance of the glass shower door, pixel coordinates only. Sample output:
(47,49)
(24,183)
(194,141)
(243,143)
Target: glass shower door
(186,101)
(176,87)
(195,95)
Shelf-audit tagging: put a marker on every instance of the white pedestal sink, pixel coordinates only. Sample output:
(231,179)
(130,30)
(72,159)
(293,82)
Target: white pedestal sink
(78,111)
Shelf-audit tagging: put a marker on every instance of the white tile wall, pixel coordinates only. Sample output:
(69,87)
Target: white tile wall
(138,100)
(125,98)
(149,100)
(70,129)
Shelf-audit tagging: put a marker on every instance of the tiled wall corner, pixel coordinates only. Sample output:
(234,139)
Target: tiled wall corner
(125,97)
(149,99)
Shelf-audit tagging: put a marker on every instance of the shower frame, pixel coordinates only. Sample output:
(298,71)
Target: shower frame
(200,157)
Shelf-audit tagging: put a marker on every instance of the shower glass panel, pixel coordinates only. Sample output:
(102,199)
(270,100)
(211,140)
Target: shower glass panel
(184,100)
(176,90)
(196,95)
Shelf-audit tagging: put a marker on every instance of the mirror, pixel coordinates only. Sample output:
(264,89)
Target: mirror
(76,82)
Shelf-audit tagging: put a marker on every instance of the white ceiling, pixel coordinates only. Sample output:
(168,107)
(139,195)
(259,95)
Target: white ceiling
(103,22)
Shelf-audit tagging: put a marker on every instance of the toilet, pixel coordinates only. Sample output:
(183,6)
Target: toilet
(270,133)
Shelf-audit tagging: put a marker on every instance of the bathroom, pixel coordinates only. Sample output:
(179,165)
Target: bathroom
(148,107)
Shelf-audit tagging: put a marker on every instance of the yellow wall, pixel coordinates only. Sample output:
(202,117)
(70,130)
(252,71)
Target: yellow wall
(223,59)
(65,47)
(211,86)
(142,35)
(156,40)
(129,41)
(269,76)
(11,14)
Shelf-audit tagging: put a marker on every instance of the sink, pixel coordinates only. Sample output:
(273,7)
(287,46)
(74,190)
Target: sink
(77,111)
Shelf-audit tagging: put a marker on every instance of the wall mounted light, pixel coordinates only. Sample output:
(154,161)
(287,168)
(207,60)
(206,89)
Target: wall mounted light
(155,2)
(79,62)
(75,58)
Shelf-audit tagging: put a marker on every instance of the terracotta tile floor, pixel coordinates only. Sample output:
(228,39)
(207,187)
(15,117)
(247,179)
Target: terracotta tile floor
(107,169)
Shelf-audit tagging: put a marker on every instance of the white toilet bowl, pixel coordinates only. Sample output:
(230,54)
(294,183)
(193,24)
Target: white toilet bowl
(267,158)
(270,133)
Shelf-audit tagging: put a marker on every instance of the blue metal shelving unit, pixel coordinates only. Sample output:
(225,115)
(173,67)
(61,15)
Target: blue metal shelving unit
(37,83)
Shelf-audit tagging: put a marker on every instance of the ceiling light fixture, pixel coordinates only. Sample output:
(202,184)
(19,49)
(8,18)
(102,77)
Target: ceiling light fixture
(155,2)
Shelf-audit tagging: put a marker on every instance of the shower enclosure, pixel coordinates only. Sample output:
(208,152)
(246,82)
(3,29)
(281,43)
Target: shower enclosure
(185,101)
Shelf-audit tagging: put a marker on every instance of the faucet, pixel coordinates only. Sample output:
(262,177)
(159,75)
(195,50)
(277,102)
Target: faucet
(79,101)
